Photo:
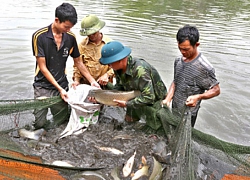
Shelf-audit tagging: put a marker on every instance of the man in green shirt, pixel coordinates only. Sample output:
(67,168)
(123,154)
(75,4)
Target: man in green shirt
(135,74)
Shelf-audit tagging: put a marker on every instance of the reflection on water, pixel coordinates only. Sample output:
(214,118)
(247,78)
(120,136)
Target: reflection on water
(149,28)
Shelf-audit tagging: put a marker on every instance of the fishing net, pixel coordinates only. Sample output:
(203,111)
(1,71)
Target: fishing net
(197,155)
(194,154)
(18,113)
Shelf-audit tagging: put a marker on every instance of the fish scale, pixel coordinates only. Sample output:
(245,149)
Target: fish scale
(107,96)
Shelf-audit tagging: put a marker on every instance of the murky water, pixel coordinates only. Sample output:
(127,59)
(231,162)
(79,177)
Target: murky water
(149,28)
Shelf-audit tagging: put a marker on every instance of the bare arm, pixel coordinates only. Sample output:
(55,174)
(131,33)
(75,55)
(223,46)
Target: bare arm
(192,100)
(82,68)
(170,95)
(42,65)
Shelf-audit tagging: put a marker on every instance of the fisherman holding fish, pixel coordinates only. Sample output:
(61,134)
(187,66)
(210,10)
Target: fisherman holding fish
(52,46)
(90,53)
(135,74)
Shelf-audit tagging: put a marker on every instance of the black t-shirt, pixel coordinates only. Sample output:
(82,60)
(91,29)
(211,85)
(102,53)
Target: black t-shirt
(43,45)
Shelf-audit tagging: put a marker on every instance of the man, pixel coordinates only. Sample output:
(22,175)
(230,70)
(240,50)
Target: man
(51,46)
(135,74)
(194,76)
(90,52)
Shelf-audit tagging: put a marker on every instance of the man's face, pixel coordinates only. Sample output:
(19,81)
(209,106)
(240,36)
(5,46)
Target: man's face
(187,50)
(94,37)
(64,27)
(116,65)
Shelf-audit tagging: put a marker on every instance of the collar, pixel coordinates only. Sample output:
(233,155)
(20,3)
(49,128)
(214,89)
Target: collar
(130,63)
(105,39)
(50,34)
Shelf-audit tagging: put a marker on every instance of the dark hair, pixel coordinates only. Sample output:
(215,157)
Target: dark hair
(66,12)
(188,32)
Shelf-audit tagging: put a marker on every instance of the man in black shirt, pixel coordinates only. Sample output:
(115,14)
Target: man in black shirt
(51,46)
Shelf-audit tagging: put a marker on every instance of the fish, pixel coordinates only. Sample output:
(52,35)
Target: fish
(127,168)
(110,149)
(143,171)
(35,135)
(39,144)
(61,164)
(42,98)
(157,171)
(89,175)
(122,136)
(161,152)
(106,97)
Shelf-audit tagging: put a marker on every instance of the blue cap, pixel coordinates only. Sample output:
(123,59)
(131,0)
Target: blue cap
(113,51)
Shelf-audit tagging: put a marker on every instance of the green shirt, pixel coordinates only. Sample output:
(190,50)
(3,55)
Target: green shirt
(142,76)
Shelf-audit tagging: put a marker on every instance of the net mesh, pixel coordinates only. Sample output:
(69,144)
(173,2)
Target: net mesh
(193,152)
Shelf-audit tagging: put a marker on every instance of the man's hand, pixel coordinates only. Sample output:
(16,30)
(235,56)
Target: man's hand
(120,103)
(95,84)
(103,80)
(92,99)
(64,95)
(74,84)
(192,100)
(165,102)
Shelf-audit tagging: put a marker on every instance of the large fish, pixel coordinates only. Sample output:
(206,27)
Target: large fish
(143,171)
(157,171)
(107,96)
(128,165)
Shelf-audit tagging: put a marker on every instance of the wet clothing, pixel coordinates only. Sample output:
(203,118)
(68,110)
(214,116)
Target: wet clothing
(43,45)
(140,75)
(190,78)
(60,110)
(90,55)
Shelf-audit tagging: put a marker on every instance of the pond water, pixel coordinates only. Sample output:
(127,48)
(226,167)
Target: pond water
(149,28)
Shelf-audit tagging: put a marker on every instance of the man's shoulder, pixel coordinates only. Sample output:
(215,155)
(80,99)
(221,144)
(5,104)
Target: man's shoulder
(71,34)
(106,39)
(204,62)
(178,58)
(136,62)
(41,31)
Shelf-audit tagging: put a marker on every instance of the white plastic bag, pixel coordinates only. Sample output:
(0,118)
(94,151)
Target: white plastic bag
(83,112)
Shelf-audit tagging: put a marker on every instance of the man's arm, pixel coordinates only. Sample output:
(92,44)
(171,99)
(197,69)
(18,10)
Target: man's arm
(82,68)
(77,76)
(170,94)
(43,68)
(214,91)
